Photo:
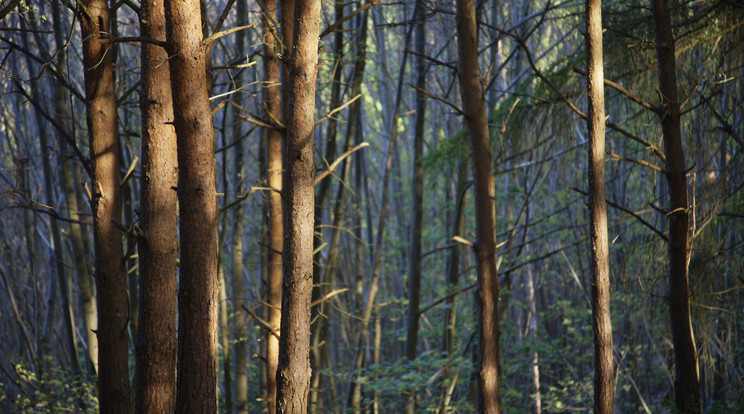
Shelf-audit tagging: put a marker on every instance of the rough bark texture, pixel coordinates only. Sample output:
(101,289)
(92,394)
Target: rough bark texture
(488,399)
(110,274)
(604,379)
(273,106)
(155,373)
(687,379)
(198,287)
(293,372)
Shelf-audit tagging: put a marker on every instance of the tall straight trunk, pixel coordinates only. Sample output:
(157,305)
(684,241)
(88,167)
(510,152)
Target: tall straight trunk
(417,193)
(687,377)
(198,288)
(298,202)
(532,329)
(604,379)
(62,114)
(111,277)
(487,296)
(155,372)
(273,104)
(293,372)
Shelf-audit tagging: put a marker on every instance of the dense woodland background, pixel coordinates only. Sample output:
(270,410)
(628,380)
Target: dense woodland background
(539,147)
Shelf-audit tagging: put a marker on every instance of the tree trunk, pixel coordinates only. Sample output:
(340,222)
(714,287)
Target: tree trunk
(111,278)
(488,399)
(198,287)
(293,372)
(417,193)
(155,373)
(274,176)
(604,379)
(687,379)
(82,264)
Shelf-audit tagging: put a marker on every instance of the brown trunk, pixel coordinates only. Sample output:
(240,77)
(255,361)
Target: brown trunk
(687,379)
(274,176)
(293,372)
(155,373)
(198,287)
(417,187)
(488,399)
(111,280)
(604,379)
(82,264)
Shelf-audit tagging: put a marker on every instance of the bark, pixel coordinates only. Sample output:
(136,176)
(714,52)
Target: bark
(417,193)
(82,264)
(293,373)
(604,379)
(687,378)
(487,295)
(198,286)
(155,373)
(110,274)
(274,176)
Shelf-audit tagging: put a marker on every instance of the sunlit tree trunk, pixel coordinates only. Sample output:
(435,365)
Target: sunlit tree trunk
(198,287)
(487,296)
(82,264)
(687,379)
(293,372)
(111,280)
(604,378)
(273,105)
(155,373)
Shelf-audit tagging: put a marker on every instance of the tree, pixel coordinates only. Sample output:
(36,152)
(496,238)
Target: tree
(273,105)
(111,281)
(687,377)
(417,187)
(487,296)
(198,288)
(293,372)
(604,375)
(155,372)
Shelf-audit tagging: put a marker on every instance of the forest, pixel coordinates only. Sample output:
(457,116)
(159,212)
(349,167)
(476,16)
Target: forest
(372,206)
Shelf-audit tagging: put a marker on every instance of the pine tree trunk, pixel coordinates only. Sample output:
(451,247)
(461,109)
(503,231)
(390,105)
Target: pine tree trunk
(487,296)
(155,373)
(198,286)
(111,280)
(417,194)
(687,379)
(273,104)
(293,372)
(604,379)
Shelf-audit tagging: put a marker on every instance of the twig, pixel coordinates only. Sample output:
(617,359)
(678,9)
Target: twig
(338,160)
(338,24)
(329,114)
(438,98)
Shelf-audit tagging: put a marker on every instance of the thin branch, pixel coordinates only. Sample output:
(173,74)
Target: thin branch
(628,211)
(338,24)
(332,167)
(211,39)
(637,161)
(438,98)
(628,94)
(329,114)
(261,321)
